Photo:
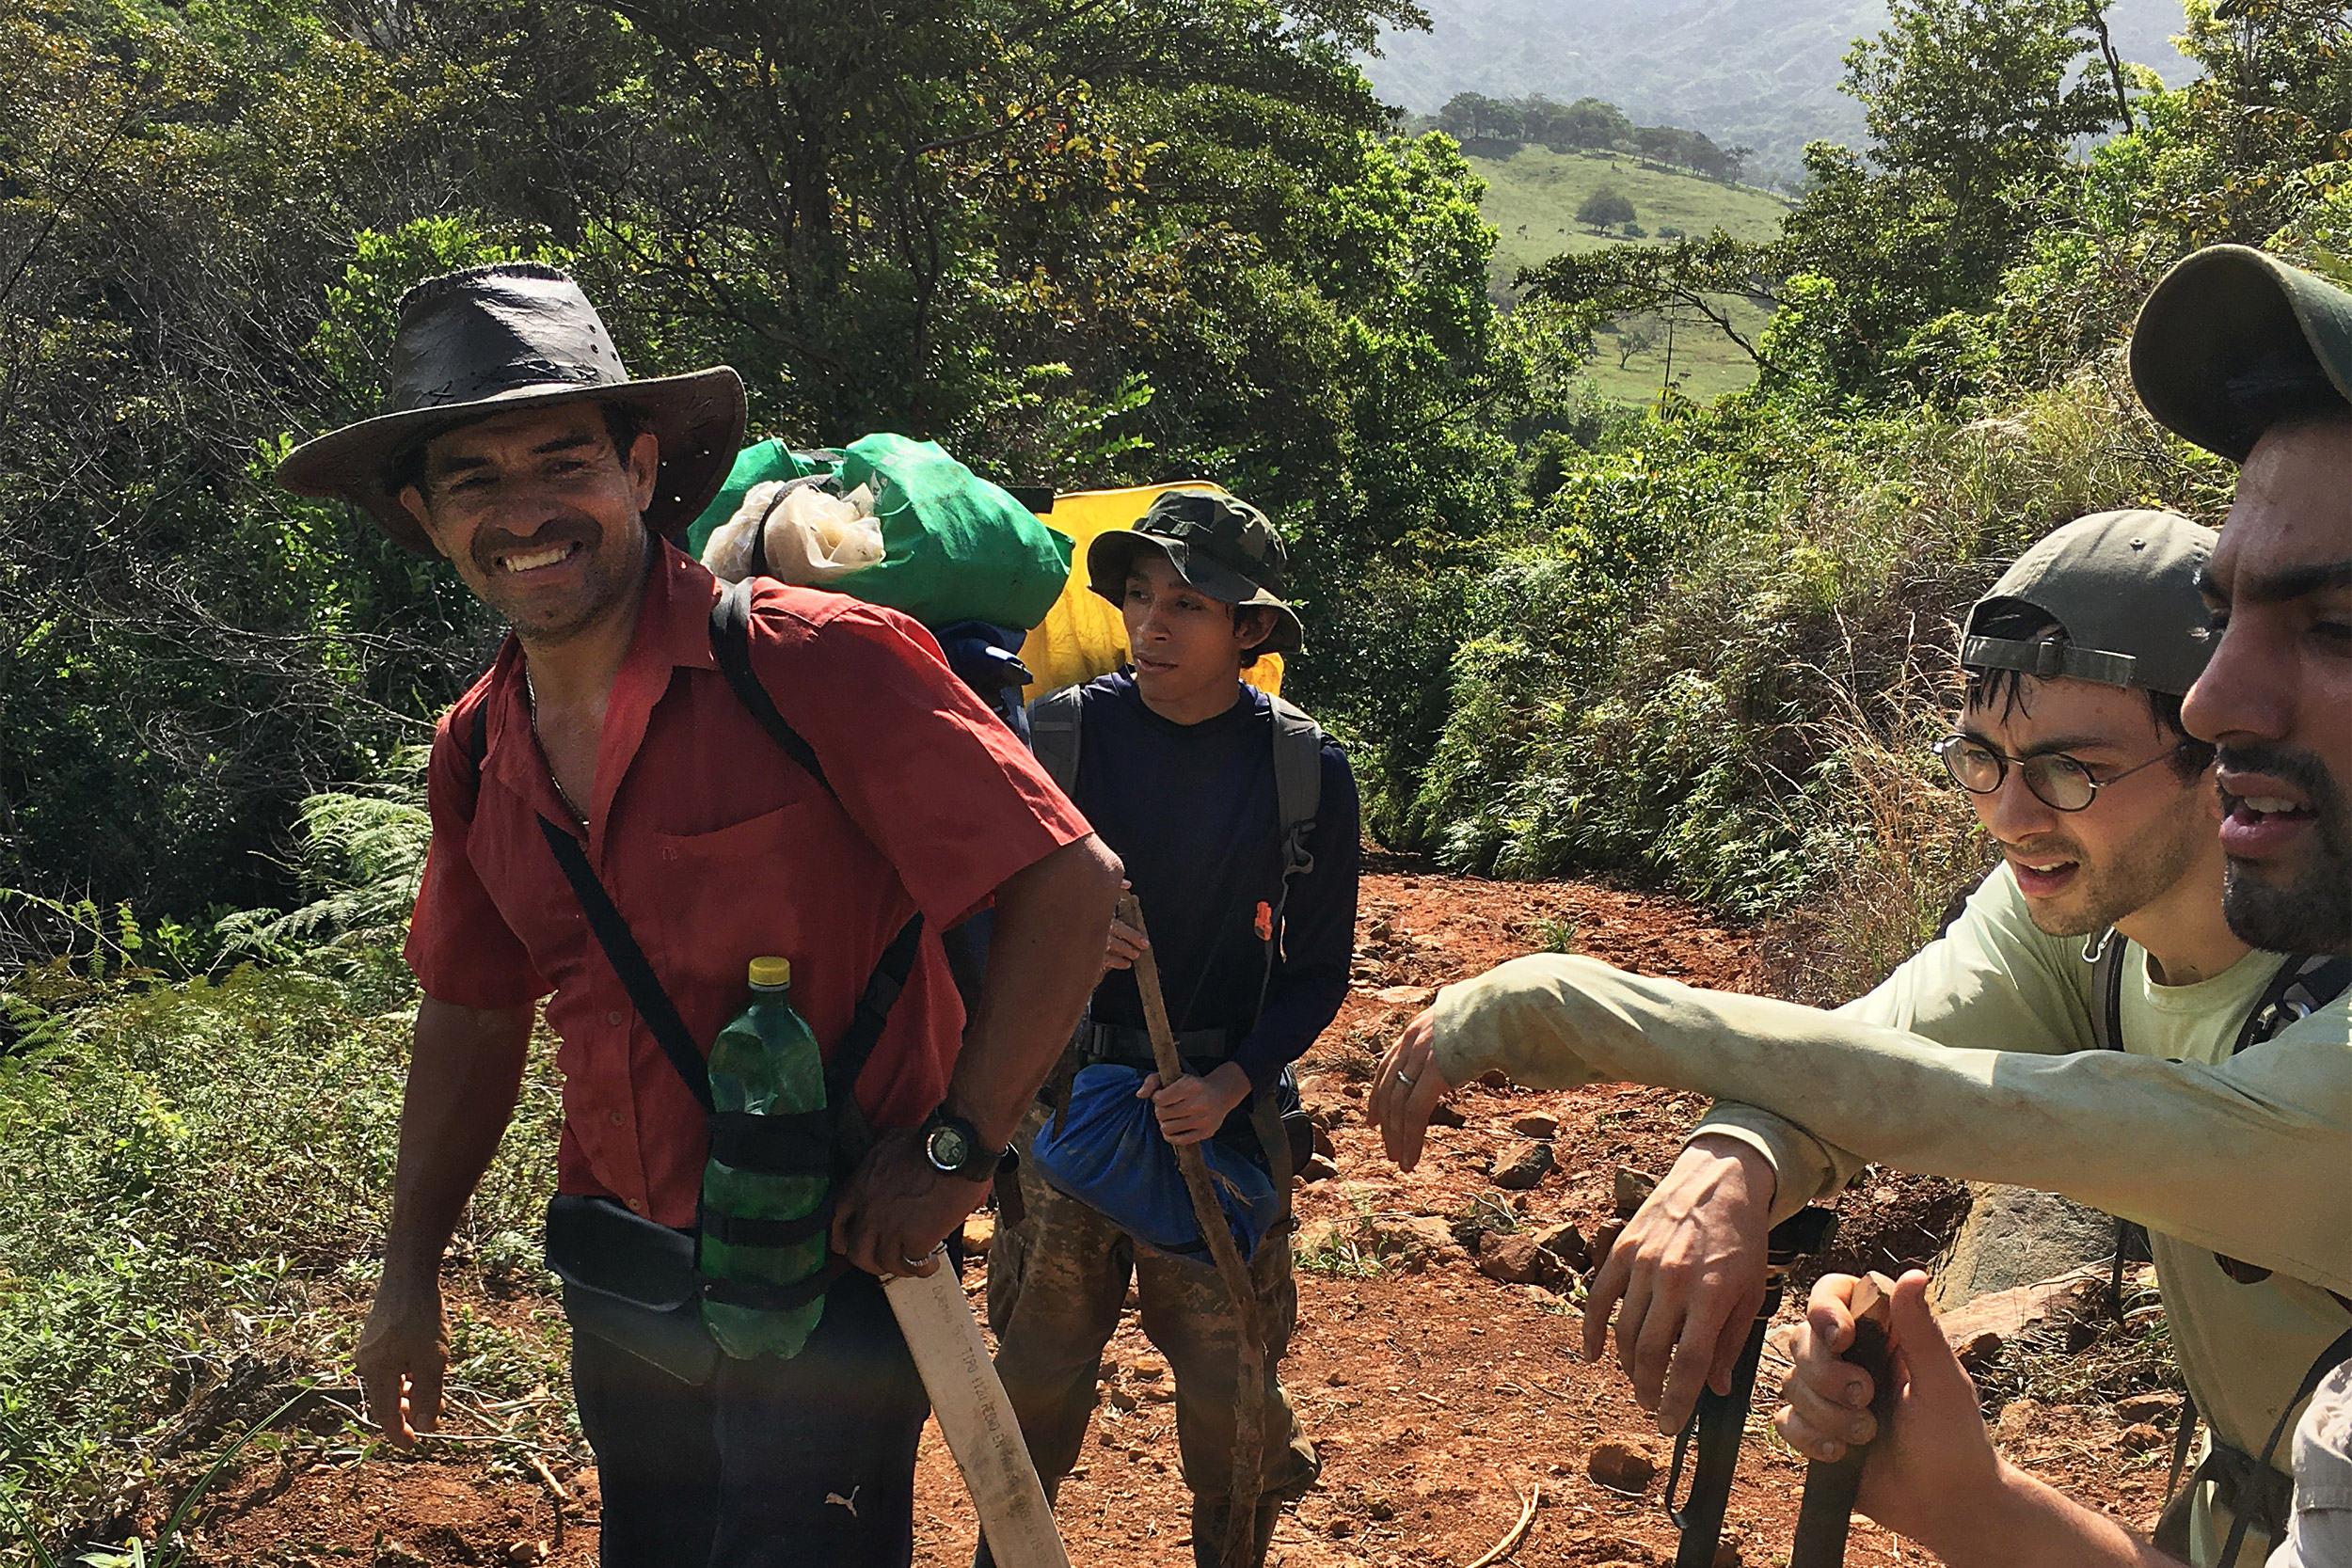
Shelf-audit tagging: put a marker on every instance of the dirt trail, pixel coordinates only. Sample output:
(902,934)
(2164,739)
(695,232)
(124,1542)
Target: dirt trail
(1437,1396)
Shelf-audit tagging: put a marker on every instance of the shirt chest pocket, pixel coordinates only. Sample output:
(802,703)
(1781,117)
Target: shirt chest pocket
(749,890)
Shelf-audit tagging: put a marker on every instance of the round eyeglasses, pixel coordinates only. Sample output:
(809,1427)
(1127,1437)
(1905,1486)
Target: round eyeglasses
(2057,781)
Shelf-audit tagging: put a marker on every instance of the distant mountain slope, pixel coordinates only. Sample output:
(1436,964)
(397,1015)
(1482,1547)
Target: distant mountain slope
(1764,73)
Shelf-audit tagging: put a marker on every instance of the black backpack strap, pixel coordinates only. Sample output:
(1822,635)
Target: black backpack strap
(2107,992)
(629,961)
(731,645)
(469,728)
(854,1135)
(2106,1033)
(1055,726)
(2338,1351)
(2304,984)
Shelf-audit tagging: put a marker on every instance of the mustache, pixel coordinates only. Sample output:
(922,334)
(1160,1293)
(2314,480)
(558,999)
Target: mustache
(2049,846)
(2302,770)
(492,542)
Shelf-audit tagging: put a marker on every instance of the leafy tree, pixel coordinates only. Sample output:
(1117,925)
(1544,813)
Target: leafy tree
(1078,248)
(1984,98)
(1691,279)
(1593,123)
(1475,117)
(1606,208)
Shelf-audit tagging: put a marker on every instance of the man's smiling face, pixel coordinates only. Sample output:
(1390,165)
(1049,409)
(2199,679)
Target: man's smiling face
(540,516)
(2082,871)
(2277,697)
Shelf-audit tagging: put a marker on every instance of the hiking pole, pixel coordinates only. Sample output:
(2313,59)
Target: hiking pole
(975,1417)
(1249,1392)
(1832,1486)
(1717,1421)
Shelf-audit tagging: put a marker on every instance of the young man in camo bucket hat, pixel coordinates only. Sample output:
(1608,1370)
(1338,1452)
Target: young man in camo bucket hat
(618,832)
(1238,822)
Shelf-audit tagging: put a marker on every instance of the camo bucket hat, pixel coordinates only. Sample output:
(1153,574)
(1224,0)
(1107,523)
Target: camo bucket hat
(1224,547)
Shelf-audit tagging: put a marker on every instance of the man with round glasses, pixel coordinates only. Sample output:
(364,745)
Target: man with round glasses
(2102,926)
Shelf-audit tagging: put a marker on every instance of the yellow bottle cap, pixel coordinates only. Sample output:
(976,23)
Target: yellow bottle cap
(771,972)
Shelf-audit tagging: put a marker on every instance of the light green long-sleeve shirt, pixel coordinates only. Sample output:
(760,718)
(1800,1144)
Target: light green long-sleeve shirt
(2249,1156)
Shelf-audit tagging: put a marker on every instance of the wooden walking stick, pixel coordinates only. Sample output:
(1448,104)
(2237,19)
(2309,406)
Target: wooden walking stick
(1249,1392)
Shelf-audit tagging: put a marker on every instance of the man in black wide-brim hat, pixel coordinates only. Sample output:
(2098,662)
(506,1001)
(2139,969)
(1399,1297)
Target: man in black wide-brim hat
(616,829)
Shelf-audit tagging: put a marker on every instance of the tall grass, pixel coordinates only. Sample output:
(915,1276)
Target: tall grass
(1714,658)
(195,1175)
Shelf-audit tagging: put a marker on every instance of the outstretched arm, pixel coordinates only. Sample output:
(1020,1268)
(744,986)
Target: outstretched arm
(2251,1159)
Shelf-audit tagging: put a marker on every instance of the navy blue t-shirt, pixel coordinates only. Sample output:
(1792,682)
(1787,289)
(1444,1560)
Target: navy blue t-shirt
(1190,808)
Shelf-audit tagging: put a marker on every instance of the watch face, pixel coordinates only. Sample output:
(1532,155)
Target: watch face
(948,1147)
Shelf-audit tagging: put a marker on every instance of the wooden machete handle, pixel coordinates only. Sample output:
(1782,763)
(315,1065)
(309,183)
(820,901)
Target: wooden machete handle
(1832,1486)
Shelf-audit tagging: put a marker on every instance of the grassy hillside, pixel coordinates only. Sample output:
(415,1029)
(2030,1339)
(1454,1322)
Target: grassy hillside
(1532,201)
(1760,72)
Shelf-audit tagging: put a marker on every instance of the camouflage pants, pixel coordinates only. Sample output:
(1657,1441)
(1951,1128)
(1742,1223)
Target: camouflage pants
(1057,1281)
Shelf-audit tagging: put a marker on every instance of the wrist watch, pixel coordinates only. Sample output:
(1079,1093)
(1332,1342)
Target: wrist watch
(953,1147)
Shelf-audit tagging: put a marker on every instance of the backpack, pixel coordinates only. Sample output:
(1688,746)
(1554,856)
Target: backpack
(1075,1157)
(1056,720)
(2304,984)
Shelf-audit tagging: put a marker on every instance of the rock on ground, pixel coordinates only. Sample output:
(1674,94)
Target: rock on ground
(1517,1260)
(1521,1166)
(1627,1467)
(2016,1236)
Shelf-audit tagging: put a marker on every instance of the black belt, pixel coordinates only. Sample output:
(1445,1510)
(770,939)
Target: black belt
(1132,1046)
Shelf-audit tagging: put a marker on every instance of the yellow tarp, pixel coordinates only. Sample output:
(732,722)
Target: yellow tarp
(1081,637)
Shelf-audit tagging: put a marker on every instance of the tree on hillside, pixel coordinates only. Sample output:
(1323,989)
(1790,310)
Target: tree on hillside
(1593,123)
(1475,117)
(1606,208)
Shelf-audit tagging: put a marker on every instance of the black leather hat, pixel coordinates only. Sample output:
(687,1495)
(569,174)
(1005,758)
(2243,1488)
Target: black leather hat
(491,340)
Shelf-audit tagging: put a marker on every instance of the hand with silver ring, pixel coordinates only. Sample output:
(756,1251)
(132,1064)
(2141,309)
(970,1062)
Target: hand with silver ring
(1405,1090)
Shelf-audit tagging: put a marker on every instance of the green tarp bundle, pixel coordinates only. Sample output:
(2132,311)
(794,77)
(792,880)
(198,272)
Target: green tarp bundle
(956,547)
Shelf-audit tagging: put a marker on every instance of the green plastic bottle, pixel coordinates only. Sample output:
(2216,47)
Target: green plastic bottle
(766,1062)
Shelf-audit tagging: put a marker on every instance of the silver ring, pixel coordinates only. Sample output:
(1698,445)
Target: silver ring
(1402,1079)
(914,1262)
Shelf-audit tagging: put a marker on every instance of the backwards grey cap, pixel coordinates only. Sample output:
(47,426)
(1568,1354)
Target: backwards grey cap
(2231,339)
(2124,586)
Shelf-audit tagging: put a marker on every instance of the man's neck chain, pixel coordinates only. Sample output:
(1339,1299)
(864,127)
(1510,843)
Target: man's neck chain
(531,701)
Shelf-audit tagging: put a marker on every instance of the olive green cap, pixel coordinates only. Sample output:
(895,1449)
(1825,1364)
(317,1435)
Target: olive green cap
(2124,587)
(771,972)
(2232,337)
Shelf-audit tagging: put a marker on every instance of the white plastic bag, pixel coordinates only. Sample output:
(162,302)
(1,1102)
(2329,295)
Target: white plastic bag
(809,535)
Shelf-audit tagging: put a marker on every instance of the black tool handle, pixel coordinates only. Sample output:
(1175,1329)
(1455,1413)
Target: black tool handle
(1717,1422)
(1831,1486)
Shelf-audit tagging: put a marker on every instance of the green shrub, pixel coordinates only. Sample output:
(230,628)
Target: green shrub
(1703,660)
(189,1173)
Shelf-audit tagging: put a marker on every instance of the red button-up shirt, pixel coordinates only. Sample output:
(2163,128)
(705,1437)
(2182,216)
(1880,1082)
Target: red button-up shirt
(718,849)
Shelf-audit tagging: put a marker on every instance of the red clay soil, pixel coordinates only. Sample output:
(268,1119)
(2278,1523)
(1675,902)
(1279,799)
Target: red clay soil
(1438,1398)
